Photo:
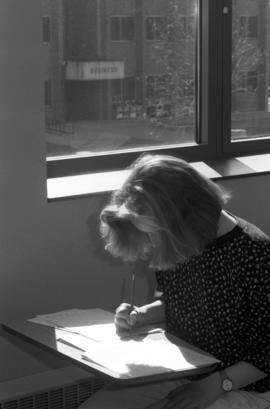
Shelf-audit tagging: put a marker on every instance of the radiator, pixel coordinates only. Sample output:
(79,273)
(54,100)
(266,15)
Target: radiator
(62,397)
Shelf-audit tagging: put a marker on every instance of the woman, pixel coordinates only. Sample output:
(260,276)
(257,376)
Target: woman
(213,270)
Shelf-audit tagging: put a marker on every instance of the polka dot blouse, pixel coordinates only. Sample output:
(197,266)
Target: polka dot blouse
(220,300)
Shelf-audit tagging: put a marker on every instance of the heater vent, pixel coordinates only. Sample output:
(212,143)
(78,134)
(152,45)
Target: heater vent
(26,403)
(66,397)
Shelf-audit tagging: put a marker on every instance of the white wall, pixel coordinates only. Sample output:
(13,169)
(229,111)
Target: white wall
(51,256)
(251,199)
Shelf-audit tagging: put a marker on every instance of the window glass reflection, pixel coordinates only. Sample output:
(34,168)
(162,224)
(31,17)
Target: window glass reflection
(250,69)
(119,74)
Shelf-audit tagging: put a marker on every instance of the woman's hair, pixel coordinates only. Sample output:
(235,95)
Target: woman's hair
(166,211)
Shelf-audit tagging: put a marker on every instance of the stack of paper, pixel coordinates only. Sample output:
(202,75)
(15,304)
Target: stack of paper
(95,324)
(147,350)
(148,356)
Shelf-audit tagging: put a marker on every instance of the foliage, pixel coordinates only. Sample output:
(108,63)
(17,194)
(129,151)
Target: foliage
(174,54)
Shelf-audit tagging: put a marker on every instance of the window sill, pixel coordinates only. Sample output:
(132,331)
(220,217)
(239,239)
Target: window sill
(99,183)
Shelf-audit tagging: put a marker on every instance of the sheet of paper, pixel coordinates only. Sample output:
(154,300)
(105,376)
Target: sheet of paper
(148,356)
(93,323)
(91,334)
(96,324)
(76,317)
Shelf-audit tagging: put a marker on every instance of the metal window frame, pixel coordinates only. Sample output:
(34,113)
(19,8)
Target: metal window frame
(121,17)
(65,166)
(229,147)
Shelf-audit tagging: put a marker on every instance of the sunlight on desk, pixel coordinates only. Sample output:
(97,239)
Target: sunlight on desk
(143,356)
(89,336)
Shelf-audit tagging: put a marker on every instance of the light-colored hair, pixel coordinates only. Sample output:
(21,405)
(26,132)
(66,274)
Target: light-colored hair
(166,211)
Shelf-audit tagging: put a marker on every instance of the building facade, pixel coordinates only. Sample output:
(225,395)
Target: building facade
(127,59)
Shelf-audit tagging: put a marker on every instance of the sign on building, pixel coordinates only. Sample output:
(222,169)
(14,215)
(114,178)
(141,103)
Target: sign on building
(94,70)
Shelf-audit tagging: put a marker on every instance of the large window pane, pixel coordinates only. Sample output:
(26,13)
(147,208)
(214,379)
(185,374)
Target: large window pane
(122,75)
(115,28)
(127,28)
(250,69)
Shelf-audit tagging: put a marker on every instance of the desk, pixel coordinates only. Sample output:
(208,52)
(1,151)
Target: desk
(47,338)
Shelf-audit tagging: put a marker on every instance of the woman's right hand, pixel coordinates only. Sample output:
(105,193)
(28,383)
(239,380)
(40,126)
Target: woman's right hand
(128,317)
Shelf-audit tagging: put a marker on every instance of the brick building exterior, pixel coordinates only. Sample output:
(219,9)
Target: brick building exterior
(112,59)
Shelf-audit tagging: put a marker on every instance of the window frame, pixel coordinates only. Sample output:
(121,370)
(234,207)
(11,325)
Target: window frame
(213,106)
(248,25)
(238,147)
(120,19)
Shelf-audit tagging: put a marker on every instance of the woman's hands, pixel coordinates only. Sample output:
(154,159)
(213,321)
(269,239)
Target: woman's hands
(128,317)
(193,395)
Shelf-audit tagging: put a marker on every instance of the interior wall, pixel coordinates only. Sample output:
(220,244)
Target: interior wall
(251,199)
(51,254)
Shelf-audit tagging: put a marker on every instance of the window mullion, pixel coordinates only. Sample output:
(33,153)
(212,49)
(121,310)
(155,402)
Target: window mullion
(226,67)
(215,77)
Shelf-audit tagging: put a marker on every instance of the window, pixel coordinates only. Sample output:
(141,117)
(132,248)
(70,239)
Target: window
(124,88)
(122,28)
(124,98)
(248,81)
(249,26)
(188,26)
(250,113)
(46,29)
(194,82)
(159,28)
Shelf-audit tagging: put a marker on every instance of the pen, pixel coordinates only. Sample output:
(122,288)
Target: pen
(123,290)
(133,276)
(133,313)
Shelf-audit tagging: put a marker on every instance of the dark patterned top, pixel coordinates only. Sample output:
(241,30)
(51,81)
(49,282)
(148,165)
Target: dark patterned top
(220,300)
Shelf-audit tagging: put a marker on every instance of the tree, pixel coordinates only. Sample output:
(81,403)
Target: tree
(175,57)
(247,55)
(174,54)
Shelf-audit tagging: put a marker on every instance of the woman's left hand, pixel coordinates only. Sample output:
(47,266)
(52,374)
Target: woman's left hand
(193,395)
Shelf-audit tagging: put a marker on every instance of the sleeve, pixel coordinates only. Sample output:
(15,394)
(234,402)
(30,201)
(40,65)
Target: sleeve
(162,280)
(257,319)
(159,285)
